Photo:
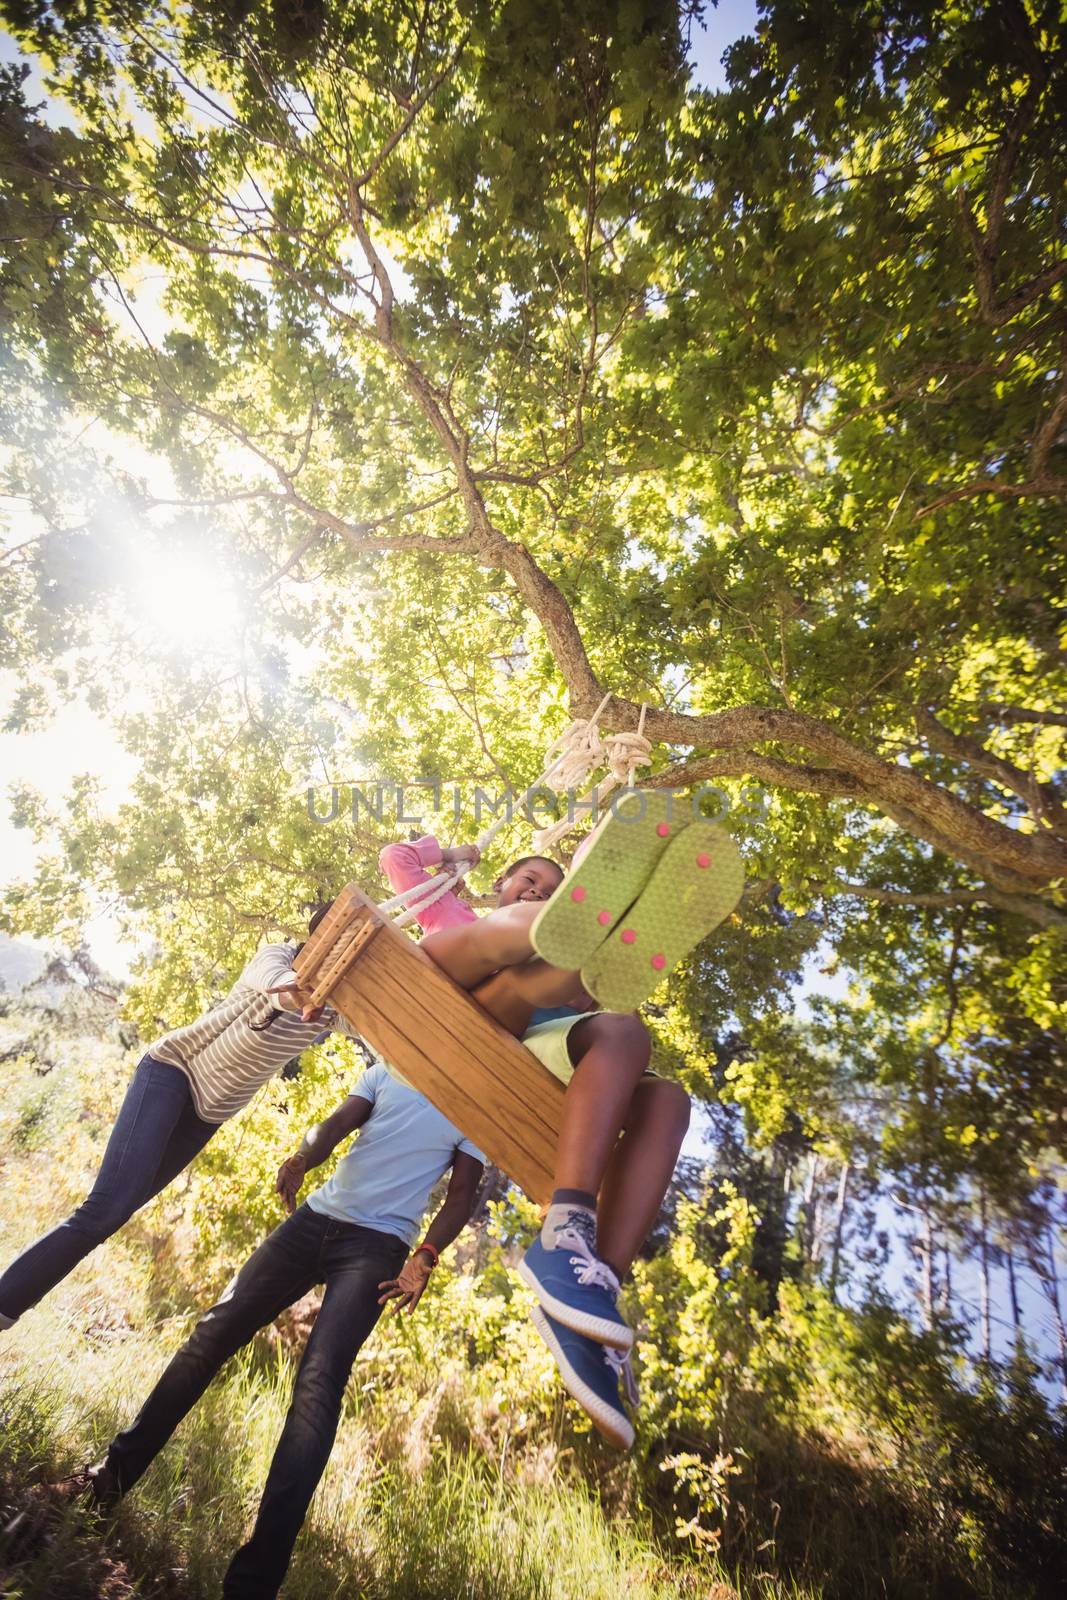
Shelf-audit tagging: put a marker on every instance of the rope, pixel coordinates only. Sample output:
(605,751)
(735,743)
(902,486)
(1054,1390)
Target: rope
(583,751)
(425,894)
(340,957)
(576,755)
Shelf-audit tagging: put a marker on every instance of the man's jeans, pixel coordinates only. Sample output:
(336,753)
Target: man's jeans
(305,1250)
(156,1134)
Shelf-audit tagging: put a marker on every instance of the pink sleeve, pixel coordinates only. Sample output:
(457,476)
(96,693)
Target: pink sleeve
(405,865)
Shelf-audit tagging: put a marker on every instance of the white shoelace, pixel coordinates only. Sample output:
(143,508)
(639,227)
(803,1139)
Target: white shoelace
(589,1269)
(622,1367)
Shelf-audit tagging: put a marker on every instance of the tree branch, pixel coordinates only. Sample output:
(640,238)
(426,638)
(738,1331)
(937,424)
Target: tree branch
(1050,430)
(416,106)
(1042,487)
(918,804)
(1009,714)
(1033,909)
(826,781)
(1042,799)
(985,243)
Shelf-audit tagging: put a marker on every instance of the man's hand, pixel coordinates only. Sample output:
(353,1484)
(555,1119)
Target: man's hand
(407,1289)
(291,1175)
(461,855)
(301,996)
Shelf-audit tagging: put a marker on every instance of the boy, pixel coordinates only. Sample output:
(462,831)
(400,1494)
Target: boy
(622,1127)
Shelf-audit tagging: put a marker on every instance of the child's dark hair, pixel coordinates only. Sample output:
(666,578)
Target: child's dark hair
(522,862)
(317,914)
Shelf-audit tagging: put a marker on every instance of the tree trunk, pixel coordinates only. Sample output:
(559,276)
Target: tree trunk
(983,1261)
(492,1187)
(1013,1297)
(1050,1282)
(772,1234)
(839,1228)
(944,1298)
(807,1231)
(926,1260)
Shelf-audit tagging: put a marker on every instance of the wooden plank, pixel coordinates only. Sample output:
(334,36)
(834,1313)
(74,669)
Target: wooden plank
(441,1041)
(341,957)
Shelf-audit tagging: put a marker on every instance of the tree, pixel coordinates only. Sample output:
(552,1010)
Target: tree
(509,413)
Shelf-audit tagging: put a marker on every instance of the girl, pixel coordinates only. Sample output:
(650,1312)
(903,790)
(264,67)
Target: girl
(622,1126)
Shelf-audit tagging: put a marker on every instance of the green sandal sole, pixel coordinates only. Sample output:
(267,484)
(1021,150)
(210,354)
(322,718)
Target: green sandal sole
(697,882)
(620,861)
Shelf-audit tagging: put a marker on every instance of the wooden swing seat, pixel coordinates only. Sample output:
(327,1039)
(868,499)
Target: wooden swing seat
(479,1076)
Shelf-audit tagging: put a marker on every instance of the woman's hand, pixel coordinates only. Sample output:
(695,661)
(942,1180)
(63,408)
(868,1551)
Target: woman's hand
(300,997)
(461,855)
(407,1289)
(291,1175)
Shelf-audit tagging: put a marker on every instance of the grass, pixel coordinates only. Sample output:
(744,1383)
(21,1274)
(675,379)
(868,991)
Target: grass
(459,1472)
(458,1527)
(412,1507)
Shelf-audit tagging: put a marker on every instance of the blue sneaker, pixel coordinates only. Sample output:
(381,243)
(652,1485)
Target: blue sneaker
(576,1288)
(591,1374)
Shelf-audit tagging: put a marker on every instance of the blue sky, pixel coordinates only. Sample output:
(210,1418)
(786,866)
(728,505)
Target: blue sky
(723,24)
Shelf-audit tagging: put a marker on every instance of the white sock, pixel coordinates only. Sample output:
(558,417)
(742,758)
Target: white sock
(564,1214)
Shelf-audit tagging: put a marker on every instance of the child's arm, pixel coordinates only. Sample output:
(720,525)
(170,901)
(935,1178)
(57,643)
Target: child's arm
(455,1213)
(320,1142)
(405,865)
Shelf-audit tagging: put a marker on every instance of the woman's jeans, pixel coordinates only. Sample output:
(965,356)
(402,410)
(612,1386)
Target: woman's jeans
(156,1134)
(305,1250)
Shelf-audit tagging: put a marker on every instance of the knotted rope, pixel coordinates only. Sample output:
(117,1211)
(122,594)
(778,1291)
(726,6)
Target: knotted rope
(581,751)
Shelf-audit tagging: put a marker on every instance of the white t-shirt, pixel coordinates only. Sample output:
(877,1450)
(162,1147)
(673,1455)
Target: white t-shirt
(384,1180)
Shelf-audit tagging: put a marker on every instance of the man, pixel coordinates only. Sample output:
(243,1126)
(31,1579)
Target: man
(352,1234)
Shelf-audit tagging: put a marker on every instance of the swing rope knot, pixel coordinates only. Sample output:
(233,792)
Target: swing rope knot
(579,752)
(624,753)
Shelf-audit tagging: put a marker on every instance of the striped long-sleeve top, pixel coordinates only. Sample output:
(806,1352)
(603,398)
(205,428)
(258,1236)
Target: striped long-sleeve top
(232,1049)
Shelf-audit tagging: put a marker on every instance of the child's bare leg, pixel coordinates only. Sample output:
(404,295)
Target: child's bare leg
(577,1313)
(640,1170)
(611,1051)
(470,953)
(515,993)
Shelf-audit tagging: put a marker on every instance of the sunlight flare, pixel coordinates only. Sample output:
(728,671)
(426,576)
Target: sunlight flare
(188,599)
